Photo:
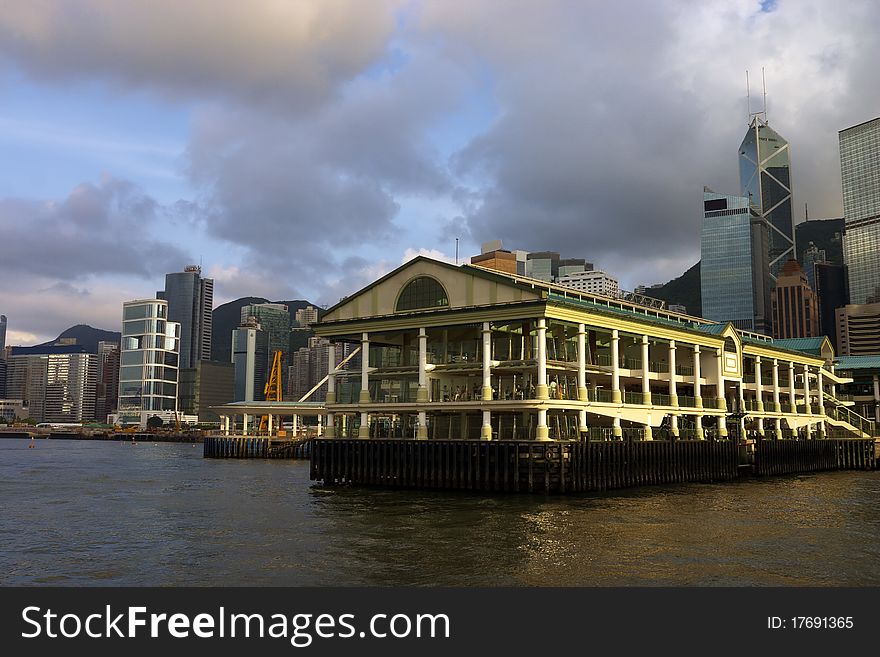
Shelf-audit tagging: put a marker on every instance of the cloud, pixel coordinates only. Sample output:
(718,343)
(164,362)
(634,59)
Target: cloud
(98,229)
(293,53)
(436,254)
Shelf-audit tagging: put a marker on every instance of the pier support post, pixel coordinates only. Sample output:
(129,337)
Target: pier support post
(269,433)
(422,429)
(616,397)
(486,429)
(698,423)
(582,365)
(244,424)
(673,425)
(877,399)
(542,431)
(649,433)
(646,369)
(542,391)
(778,428)
(722,427)
(364,429)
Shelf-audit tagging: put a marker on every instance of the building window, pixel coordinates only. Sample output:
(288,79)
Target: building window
(422,292)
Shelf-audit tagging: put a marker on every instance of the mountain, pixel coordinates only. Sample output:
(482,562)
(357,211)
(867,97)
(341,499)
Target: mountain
(87,336)
(684,290)
(227,317)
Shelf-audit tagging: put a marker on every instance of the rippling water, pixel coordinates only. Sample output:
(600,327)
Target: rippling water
(82,513)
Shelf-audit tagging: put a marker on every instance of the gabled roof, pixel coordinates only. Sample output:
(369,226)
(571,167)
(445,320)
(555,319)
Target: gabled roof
(812,346)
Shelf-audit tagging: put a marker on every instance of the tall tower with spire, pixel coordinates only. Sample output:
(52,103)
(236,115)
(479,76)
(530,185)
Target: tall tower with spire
(765,178)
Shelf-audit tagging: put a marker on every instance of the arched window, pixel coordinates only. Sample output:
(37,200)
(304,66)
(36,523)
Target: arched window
(730,345)
(422,292)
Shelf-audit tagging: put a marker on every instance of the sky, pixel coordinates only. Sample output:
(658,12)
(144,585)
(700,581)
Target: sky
(299,149)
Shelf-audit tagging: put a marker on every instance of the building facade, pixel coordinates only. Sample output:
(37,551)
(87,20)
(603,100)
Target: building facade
(190,303)
(307,316)
(863,391)
(858,329)
(107,386)
(57,382)
(250,359)
(274,319)
(481,354)
(795,311)
(149,358)
(765,179)
(860,176)
(734,265)
(3,322)
(207,384)
(594,281)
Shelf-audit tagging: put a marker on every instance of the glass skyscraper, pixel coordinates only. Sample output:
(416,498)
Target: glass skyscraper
(149,360)
(765,179)
(190,303)
(860,175)
(734,265)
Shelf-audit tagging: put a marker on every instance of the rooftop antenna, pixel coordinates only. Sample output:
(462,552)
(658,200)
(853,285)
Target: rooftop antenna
(456,251)
(748,97)
(764,84)
(806,213)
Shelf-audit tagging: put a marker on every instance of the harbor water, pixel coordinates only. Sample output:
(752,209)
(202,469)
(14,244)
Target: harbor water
(115,513)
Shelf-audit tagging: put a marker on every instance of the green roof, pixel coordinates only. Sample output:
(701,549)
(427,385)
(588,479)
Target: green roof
(807,345)
(849,363)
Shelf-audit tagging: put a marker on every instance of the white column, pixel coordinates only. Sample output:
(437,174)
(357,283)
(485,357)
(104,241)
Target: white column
(270,425)
(487,363)
(807,409)
(422,429)
(791,393)
(225,425)
(582,362)
(646,372)
(616,430)
(719,366)
(821,385)
(331,390)
(698,425)
(582,375)
(542,391)
(422,394)
(758,384)
(742,409)
(319,426)
(244,423)
(776,406)
(365,369)
(698,398)
(616,397)
(364,429)
(673,386)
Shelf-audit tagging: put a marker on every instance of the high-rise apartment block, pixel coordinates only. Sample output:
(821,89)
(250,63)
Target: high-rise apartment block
(250,357)
(860,175)
(831,294)
(592,282)
(56,382)
(858,329)
(107,383)
(795,312)
(734,271)
(190,303)
(307,316)
(2,336)
(207,384)
(149,358)
(765,179)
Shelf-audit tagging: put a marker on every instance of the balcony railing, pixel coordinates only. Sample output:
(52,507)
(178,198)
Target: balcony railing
(684,370)
(748,378)
(660,368)
(599,395)
(633,398)
(710,402)
(661,399)
(684,400)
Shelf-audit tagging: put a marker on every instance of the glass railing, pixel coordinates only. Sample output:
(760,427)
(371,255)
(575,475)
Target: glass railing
(749,378)
(684,370)
(633,398)
(660,368)
(710,402)
(661,399)
(684,400)
(599,395)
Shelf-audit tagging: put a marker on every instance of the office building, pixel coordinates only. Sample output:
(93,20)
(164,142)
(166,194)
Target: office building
(765,179)
(56,382)
(250,358)
(190,303)
(274,320)
(542,265)
(734,273)
(107,386)
(149,357)
(810,257)
(498,259)
(831,294)
(2,336)
(795,312)
(207,384)
(825,234)
(573,266)
(860,176)
(12,410)
(858,329)
(594,281)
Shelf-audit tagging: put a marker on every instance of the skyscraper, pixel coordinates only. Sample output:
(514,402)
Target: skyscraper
(765,179)
(734,280)
(2,337)
(190,303)
(274,319)
(149,362)
(795,312)
(860,175)
(250,355)
(57,382)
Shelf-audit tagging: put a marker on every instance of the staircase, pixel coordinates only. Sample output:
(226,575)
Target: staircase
(840,415)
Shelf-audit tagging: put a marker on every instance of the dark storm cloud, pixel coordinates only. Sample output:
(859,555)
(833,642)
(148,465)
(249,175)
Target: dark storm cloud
(97,229)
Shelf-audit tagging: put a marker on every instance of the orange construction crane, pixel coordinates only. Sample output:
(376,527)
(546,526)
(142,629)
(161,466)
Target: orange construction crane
(272,392)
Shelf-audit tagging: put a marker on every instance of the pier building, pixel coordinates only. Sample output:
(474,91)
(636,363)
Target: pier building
(464,352)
